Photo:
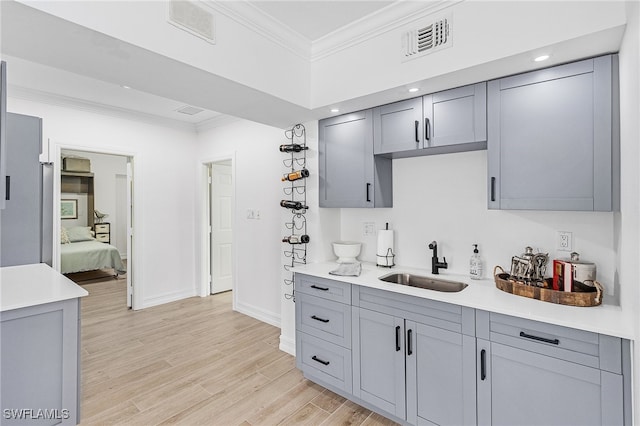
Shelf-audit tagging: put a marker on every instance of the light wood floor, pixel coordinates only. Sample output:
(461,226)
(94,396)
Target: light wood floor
(192,362)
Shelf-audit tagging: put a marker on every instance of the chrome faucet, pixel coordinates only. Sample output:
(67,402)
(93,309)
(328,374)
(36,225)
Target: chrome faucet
(436,265)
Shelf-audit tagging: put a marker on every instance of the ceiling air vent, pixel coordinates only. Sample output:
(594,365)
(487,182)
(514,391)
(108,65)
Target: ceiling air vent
(427,38)
(193,19)
(189,110)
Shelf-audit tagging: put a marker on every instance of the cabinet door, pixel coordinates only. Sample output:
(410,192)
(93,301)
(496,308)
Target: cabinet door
(550,139)
(398,127)
(378,360)
(517,387)
(456,116)
(349,174)
(20,229)
(441,385)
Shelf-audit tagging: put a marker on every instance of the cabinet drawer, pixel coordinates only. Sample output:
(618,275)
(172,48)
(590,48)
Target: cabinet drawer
(579,346)
(325,319)
(102,238)
(325,361)
(102,227)
(324,288)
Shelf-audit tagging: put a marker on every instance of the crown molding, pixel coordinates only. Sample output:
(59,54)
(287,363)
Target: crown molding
(28,94)
(393,17)
(256,20)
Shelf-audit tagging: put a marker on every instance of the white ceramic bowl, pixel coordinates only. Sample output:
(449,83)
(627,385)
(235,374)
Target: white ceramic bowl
(347,251)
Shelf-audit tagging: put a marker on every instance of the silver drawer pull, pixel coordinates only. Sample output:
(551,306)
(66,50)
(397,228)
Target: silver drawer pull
(319,319)
(540,339)
(315,358)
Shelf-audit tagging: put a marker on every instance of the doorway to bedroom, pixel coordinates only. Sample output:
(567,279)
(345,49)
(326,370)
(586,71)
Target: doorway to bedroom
(95,220)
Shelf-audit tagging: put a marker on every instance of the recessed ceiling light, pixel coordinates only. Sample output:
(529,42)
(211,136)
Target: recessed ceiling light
(334,110)
(125,86)
(413,89)
(541,58)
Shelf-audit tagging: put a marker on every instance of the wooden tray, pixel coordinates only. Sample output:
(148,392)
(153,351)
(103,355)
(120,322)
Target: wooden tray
(592,296)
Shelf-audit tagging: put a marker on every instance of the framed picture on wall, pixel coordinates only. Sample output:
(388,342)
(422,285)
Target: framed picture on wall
(68,209)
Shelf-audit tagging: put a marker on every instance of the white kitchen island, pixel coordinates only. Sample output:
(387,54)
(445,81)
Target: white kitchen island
(39,344)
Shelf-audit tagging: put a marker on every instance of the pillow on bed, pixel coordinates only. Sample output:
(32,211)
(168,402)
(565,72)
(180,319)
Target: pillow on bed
(64,237)
(79,233)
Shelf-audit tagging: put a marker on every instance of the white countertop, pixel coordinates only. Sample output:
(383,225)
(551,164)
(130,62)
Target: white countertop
(483,294)
(28,285)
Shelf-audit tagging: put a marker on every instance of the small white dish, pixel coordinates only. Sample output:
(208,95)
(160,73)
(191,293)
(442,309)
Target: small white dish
(347,251)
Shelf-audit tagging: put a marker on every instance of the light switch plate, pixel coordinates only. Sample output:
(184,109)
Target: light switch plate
(368,229)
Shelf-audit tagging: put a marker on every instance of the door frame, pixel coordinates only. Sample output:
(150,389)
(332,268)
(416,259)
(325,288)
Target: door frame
(205,255)
(133,258)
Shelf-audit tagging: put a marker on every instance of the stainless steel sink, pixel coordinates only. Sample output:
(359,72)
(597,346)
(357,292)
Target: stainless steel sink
(424,282)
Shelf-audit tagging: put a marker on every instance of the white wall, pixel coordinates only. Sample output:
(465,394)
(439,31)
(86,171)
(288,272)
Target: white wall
(105,167)
(483,32)
(238,51)
(444,198)
(164,249)
(628,220)
(258,246)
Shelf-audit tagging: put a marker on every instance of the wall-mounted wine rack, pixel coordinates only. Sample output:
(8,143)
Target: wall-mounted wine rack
(296,201)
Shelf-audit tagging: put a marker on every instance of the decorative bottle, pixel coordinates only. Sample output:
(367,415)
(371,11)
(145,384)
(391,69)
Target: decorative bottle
(475,264)
(292,147)
(296,239)
(296,205)
(298,174)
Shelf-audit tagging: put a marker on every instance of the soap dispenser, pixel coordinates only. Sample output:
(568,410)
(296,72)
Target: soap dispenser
(475,264)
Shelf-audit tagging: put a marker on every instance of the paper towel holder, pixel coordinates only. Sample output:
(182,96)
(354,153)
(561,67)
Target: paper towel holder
(390,256)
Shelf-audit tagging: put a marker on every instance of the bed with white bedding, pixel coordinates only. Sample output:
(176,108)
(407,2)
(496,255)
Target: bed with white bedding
(80,252)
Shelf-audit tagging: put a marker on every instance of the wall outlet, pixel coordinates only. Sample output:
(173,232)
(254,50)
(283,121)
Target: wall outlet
(368,229)
(564,241)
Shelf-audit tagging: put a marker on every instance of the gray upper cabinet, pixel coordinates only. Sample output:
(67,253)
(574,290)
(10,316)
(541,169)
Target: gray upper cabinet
(553,138)
(398,127)
(349,175)
(449,121)
(457,116)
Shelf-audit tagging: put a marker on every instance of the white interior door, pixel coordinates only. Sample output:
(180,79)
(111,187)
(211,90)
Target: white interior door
(129,233)
(221,220)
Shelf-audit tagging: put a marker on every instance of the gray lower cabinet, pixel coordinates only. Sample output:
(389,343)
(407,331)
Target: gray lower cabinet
(40,366)
(349,174)
(323,331)
(530,373)
(553,138)
(424,362)
(449,121)
(412,358)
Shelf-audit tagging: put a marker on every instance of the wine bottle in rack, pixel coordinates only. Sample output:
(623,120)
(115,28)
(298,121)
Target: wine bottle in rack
(296,205)
(296,239)
(298,174)
(293,147)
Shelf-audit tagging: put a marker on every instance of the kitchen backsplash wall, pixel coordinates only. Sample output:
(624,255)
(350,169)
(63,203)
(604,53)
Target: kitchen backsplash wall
(444,198)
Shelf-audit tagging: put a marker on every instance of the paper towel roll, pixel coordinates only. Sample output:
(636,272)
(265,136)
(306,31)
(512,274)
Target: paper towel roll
(385,253)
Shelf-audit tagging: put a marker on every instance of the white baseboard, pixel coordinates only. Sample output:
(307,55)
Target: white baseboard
(287,345)
(167,297)
(259,314)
